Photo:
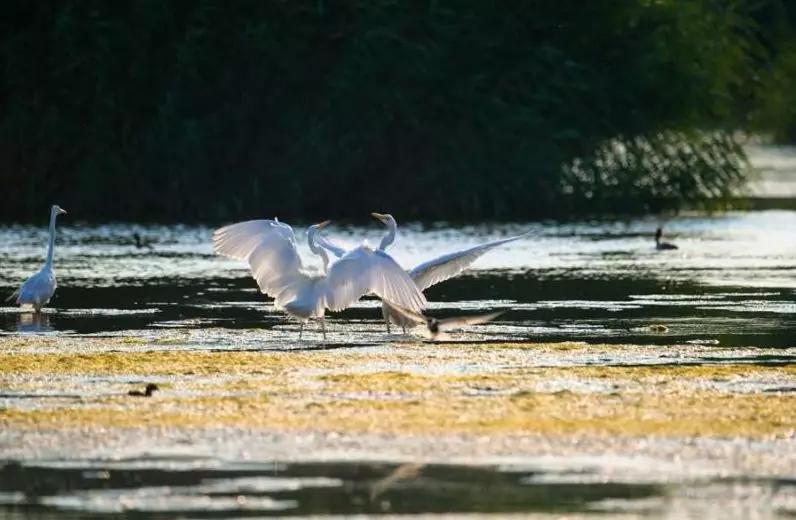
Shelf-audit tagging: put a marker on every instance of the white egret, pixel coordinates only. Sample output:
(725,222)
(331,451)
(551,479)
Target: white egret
(428,273)
(269,247)
(39,288)
(662,246)
(437,326)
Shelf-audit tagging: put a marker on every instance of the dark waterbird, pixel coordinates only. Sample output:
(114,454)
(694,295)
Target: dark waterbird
(437,326)
(659,245)
(148,391)
(140,243)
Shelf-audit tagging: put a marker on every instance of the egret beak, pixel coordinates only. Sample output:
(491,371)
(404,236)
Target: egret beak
(379,216)
(323,224)
(61,211)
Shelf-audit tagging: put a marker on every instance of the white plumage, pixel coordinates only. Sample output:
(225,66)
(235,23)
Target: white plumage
(37,290)
(447,266)
(426,274)
(269,247)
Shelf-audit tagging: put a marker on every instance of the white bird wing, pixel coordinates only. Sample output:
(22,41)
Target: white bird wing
(331,246)
(39,288)
(364,271)
(270,248)
(412,316)
(447,266)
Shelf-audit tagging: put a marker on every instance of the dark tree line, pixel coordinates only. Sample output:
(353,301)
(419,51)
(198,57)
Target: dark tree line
(210,109)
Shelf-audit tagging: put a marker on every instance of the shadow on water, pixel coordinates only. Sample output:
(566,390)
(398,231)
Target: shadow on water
(157,491)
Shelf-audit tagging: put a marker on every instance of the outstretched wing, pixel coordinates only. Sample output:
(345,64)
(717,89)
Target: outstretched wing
(464,321)
(446,323)
(364,271)
(270,248)
(412,316)
(333,247)
(447,266)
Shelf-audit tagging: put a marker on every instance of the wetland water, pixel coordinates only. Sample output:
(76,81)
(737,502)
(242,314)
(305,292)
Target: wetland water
(731,283)
(270,425)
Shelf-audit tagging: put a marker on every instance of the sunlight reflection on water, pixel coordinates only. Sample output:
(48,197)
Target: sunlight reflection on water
(561,274)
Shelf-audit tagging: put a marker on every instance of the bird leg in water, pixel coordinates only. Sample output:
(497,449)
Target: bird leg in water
(387,321)
(323,328)
(301,329)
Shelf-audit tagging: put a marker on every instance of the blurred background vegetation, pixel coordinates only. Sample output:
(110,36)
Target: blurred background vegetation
(209,110)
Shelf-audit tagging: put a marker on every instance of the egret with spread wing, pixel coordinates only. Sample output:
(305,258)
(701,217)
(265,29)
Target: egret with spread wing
(269,247)
(428,273)
(39,288)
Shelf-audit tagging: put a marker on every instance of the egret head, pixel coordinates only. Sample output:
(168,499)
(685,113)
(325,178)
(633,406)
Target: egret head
(385,218)
(314,247)
(57,210)
(314,229)
(320,225)
(392,228)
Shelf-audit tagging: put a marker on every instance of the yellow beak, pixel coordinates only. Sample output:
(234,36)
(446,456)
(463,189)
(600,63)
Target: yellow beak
(379,216)
(323,224)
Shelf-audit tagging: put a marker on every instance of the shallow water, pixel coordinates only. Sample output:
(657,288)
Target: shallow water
(204,488)
(196,487)
(732,282)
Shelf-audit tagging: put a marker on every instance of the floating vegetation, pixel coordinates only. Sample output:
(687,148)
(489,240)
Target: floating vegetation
(386,391)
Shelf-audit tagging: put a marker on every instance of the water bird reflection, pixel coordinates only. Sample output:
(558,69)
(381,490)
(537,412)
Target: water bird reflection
(33,322)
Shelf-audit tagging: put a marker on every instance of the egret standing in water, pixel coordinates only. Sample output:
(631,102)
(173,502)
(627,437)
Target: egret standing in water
(269,246)
(39,288)
(426,274)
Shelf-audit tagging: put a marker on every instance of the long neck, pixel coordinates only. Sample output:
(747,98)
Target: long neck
(318,250)
(389,238)
(51,247)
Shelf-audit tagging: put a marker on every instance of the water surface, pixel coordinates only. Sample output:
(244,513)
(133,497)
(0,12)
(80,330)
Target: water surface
(732,281)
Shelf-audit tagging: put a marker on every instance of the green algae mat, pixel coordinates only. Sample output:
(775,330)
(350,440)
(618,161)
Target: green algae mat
(563,389)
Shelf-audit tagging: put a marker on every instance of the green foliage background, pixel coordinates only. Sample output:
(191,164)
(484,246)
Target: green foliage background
(210,109)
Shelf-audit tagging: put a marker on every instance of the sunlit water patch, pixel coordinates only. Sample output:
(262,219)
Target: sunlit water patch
(599,279)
